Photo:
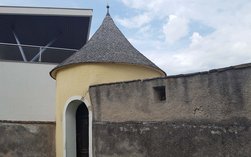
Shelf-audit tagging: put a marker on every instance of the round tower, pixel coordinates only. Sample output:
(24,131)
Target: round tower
(107,57)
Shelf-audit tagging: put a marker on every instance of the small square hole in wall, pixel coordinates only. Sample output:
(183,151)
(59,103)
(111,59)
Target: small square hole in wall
(160,93)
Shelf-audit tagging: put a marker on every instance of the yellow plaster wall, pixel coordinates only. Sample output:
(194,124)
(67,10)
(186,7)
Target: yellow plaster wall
(75,81)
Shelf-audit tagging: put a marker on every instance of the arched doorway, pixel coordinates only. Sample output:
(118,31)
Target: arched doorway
(77,130)
(82,132)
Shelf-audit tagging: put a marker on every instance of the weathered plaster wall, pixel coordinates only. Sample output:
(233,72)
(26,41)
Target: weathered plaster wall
(210,96)
(27,139)
(204,114)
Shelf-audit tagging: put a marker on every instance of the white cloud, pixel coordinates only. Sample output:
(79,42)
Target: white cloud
(196,38)
(203,54)
(134,22)
(229,43)
(175,28)
(134,4)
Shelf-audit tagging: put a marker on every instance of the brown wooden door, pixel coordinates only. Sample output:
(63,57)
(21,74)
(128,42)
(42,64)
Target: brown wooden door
(82,131)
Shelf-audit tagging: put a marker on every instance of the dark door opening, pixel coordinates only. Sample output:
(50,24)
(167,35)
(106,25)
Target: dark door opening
(82,131)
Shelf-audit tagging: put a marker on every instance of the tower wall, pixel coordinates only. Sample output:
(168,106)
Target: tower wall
(75,81)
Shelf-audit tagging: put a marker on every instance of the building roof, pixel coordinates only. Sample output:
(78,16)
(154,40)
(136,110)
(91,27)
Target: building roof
(107,45)
(35,27)
(70,27)
(19,10)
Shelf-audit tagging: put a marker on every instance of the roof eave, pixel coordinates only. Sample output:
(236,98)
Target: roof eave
(14,10)
(54,71)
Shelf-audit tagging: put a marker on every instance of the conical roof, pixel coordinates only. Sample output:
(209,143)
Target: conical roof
(107,45)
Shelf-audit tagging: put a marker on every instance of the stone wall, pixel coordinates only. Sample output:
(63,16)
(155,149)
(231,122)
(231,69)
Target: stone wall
(176,139)
(27,139)
(202,114)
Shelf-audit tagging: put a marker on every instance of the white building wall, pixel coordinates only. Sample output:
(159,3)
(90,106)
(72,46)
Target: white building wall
(27,92)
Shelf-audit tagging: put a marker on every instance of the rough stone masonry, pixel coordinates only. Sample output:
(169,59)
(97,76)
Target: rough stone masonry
(203,114)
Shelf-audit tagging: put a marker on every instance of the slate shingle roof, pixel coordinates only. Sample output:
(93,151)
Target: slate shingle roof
(107,45)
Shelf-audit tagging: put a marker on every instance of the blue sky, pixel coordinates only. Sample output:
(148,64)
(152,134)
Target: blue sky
(180,36)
